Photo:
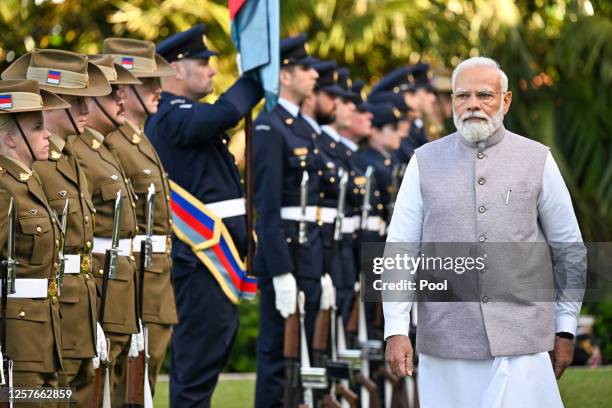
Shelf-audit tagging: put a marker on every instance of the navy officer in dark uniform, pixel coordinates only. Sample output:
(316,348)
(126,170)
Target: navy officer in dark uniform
(285,149)
(190,139)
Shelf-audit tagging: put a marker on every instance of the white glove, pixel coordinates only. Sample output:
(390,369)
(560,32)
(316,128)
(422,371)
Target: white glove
(101,347)
(285,291)
(357,286)
(328,293)
(136,343)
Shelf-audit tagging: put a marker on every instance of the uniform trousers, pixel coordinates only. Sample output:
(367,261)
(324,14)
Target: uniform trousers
(77,373)
(203,338)
(158,339)
(119,348)
(270,362)
(26,379)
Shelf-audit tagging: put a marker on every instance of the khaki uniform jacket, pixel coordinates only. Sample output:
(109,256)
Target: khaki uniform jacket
(143,167)
(63,179)
(105,177)
(33,325)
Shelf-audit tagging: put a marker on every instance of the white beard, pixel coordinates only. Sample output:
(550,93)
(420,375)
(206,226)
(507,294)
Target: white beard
(474,132)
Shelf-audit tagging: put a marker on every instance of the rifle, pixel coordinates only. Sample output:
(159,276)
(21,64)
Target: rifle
(291,340)
(102,372)
(323,321)
(7,276)
(366,206)
(360,357)
(312,377)
(338,372)
(136,374)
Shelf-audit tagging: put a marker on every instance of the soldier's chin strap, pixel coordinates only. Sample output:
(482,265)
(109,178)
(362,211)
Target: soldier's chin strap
(25,139)
(144,107)
(108,116)
(72,121)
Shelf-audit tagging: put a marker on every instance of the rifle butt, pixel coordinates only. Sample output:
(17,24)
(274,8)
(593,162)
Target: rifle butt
(371,387)
(330,402)
(347,394)
(135,377)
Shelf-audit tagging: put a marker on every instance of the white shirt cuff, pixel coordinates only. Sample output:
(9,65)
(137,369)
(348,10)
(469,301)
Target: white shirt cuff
(565,323)
(396,326)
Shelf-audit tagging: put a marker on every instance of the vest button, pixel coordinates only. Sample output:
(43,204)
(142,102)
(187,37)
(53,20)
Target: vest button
(481,181)
(482,238)
(482,209)
(480,155)
(485,299)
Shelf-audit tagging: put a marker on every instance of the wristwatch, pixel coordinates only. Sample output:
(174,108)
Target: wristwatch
(565,335)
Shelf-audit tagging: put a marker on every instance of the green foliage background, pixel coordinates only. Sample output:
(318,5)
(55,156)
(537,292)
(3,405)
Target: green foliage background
(557,54)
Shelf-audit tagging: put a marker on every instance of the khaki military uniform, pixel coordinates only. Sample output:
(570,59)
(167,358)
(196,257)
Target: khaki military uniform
(143,167)
(105,177)
(33,325)
(63,179)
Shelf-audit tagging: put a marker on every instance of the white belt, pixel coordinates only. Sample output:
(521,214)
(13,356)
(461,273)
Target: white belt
(376,223)
(102,244)
(76,264)
(159,243)
(295,213)
(350,224)
(31,289)
(328,215)
(228,208)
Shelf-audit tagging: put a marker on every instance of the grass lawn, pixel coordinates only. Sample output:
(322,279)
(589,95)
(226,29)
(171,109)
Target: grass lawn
(580,388)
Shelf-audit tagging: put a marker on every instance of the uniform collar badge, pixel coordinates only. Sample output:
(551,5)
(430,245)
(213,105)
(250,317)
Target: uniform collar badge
(95,144)
(55,155)
(135,138)
(24,176)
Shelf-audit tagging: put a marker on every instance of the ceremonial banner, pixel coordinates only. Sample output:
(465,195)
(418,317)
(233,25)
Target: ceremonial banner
(256,35)
(205,233)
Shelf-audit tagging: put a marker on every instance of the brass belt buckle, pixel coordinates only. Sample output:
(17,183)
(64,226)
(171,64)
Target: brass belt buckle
(318,218)
(85,263)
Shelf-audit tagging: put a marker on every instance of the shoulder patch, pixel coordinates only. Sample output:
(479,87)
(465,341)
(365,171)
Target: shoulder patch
(175,101)
(186,106)
(263,127)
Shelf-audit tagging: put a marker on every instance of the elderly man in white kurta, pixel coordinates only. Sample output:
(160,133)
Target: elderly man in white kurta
(486,184)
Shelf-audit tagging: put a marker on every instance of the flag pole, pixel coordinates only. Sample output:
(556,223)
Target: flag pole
(248,131)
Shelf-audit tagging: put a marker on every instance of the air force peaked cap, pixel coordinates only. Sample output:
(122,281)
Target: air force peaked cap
(187,44)
(384,114)
(293,51)
(328,78)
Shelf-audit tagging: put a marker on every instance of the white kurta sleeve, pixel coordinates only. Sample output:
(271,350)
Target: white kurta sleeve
(406,227)
(558,221)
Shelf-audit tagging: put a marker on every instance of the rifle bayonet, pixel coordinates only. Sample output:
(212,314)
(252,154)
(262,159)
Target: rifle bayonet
(10,263)
(148,260)
(114,251)
(341,204)
(366,206)
(302,232)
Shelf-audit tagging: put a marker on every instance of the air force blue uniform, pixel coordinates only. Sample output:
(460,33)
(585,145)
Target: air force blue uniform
(284,147)
(190,139)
